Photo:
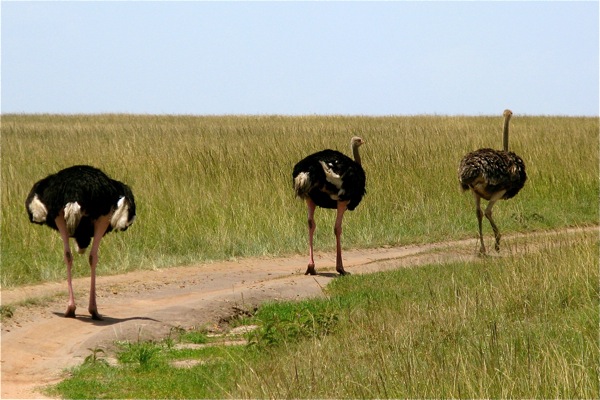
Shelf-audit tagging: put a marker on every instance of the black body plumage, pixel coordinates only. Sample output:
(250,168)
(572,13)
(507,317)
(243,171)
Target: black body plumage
(487,171)
(323,192)
(330,179)
(91,189)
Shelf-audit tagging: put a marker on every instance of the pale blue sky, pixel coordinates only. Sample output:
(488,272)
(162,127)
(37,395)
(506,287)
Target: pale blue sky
(296,58)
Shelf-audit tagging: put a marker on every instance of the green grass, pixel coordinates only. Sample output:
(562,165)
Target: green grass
(521,326)
(154,378)
(211,188)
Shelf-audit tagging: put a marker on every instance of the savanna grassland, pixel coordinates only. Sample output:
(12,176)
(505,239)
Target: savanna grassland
(521,325)
(219,187)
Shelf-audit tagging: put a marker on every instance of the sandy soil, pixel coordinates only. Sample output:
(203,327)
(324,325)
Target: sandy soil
(38,344)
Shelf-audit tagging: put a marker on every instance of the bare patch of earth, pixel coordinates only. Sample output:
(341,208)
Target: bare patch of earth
(38,344)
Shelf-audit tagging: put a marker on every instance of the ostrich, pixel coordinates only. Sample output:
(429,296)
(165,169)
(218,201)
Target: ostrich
(83,203)
(330,179)
(492,175)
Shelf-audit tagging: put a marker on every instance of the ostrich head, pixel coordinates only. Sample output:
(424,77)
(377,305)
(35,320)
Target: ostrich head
(355,143)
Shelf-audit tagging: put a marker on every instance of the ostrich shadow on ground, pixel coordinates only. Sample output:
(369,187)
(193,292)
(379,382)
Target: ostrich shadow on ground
(105,321)
(332,274)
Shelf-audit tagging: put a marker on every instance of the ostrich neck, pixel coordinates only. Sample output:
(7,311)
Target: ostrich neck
(505,136)
(356,155)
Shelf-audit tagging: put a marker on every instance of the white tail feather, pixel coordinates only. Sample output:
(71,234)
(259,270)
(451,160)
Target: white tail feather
(119,219)
(38,210)
(302,184)
(72,216)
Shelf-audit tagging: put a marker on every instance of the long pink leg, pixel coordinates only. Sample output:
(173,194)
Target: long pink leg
(310,270)
(341,209)
(61,224)
(100,226)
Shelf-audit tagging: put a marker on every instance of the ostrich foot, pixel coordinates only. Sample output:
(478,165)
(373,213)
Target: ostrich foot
(310,270)
(70,313)
(340,270)
(482,251)
(95,315)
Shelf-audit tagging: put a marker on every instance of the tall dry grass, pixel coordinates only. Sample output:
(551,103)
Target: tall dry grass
(217,187)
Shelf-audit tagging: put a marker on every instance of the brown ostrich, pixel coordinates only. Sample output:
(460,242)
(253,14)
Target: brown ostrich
(330,179)
(492,175)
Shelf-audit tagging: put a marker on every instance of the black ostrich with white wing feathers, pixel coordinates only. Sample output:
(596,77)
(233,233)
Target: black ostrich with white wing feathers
(81,202)
(492,175)
(330,179)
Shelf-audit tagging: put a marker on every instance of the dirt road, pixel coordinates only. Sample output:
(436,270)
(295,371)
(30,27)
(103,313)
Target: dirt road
(38,343)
